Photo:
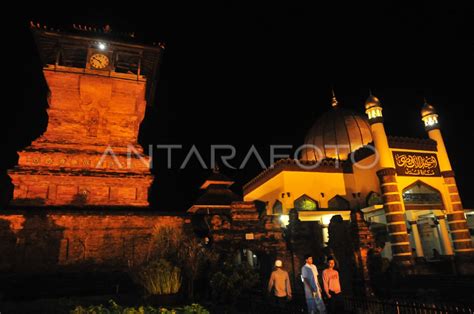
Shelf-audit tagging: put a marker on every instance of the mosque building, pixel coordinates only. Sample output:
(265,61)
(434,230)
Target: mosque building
(405,187)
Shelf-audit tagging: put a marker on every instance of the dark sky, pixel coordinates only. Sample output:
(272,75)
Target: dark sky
(246,75)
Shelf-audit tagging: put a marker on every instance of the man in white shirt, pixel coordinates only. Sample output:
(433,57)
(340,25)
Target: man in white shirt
(312,289)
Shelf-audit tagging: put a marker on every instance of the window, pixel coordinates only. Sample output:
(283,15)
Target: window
(72,56)
(338,202)
(127,63)
(277,208)
(305,202)
(374,198)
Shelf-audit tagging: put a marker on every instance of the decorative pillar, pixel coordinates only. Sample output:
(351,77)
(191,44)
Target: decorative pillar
(416,238)
(395,216)
(456,219)
(443,233)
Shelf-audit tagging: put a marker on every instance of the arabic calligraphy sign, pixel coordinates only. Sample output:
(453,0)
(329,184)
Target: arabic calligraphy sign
(416,164)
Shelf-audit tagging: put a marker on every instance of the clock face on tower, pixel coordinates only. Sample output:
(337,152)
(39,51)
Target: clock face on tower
(99,61)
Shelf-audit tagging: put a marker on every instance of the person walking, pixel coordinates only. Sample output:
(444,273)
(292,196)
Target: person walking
(312,289)
(279,282)
(332,287)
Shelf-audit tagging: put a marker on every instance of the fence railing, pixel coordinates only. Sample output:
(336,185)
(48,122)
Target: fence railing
(369,306)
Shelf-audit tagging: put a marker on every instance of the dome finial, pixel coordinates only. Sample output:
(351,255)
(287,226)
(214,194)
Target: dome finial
(427,108)
(429,116)
(372,101)
(334,100)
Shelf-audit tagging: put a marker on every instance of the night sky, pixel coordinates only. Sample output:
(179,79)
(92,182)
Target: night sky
(262,75)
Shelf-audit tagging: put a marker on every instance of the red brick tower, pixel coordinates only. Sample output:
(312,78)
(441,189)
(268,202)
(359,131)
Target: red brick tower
(99,83)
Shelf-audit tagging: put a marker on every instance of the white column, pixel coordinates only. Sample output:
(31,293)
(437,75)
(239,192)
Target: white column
(325,234)
(250,257)
(238,257)
(444,235)
(416,238)
(437,239)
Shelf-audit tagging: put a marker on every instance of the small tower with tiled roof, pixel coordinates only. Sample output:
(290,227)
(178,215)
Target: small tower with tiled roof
(217,195)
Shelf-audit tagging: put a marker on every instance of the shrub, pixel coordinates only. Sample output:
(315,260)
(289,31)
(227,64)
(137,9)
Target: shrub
(158,277)
(231,281)
(183,249)
(114,308)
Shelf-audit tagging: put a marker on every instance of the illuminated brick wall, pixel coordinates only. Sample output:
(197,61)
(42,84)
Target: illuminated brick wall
(41,240)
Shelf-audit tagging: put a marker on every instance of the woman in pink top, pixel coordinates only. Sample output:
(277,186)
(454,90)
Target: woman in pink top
(332,287)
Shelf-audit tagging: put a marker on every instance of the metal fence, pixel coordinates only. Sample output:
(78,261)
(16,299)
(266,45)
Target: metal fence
(369,306)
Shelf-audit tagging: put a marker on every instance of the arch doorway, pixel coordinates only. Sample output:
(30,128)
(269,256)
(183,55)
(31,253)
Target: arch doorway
(427,227)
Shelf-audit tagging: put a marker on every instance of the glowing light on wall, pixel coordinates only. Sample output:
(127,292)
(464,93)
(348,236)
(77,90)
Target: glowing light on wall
(285,220)
(326,219)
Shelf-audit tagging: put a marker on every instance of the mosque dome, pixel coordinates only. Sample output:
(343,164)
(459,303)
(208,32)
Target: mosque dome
(336,134)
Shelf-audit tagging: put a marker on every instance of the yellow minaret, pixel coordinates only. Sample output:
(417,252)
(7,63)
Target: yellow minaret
(373,109)
(456,218)
(393,205)
(430,119)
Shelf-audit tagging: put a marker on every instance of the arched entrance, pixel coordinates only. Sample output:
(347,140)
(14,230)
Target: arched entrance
(427,227)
